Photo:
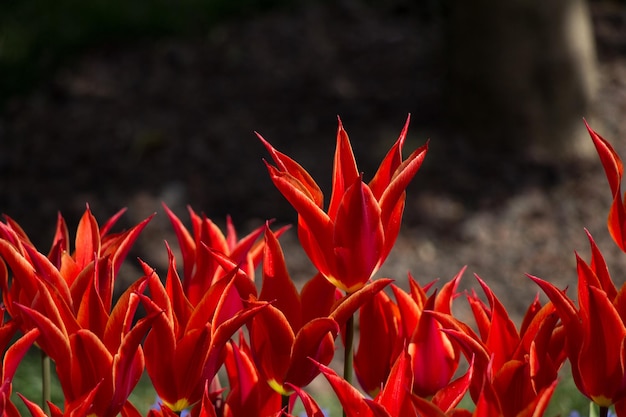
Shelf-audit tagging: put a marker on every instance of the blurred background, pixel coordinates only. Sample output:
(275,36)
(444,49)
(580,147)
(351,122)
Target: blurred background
(130,104)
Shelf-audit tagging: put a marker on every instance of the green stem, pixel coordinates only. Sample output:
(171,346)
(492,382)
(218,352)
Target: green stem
(347,364)
(45,382)
(348,348)
(285,403)
(604,411)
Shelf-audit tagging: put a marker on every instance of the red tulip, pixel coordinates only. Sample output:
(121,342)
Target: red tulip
(200,268)
(508,392)
(350,241)
(97,375)
(192,338)
(249,394)
(434,357)
(595,332)
(514,371)
(379,342)
(76,289)
(298,326)
(292,329)
(393,400)
(614,170)
(386,327)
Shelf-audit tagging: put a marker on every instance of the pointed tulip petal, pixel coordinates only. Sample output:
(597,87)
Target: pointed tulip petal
(567,312)
(13,356)
(206,407)
(243,249)
(378,342)
(243,376)
(451,395)
(310,406)
(604,337)
(443,302)
(181,307)
(614,170)
(23,272)
(33,408)
(599,267)
(87,245)
(271,340)
(121,317)
(129,410)
(92,363)
(317,296)
(60,242)
(398,385)
(503,338)
(52,340)
(185,241)
(610,159)
(390,164)
(401,179)
(119,246)
(287,164)
(408,310)
(128,362)
(351,399)
(223,333)
(277,285)
(345,171)
(108,225)
(351,303)
(358,238)
(318,243)
(427,408)
(434,357)
(314,340)
(48,272)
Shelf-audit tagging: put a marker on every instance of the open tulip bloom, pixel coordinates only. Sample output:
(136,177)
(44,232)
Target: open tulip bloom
(350,241)
(215,341)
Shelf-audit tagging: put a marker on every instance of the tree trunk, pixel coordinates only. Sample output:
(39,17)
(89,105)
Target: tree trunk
(522,75)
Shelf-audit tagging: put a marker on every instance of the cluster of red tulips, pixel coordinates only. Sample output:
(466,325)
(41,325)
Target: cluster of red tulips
(216,341)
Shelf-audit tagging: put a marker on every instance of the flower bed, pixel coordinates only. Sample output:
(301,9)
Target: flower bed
(413,356)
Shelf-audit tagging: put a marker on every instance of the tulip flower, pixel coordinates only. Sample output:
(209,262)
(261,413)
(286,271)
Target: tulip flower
(350,241)
(281,340)
(595,332)
(79,286)
(386,327)
(92,242)
(311,409)
(298,326)
(201,269)
(614,170)
(508,392)
(192,338)
(394,399)
(97,375)
(249,393)
(379,342)
(434,357)
(515,371)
